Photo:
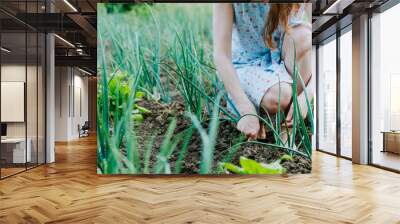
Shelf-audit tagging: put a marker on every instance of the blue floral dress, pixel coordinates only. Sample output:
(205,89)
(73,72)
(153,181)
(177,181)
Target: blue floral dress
(258,67)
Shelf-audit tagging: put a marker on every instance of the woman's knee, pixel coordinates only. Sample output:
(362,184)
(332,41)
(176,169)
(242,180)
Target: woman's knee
(277,96)
(300,36)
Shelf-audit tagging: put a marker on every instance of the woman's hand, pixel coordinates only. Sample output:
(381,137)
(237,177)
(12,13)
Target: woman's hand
(250,126)
(302,106)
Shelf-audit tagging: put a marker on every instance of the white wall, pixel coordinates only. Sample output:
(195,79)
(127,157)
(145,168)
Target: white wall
(70,83)
(62,81)
(14,72)
(33,126)
(81,84)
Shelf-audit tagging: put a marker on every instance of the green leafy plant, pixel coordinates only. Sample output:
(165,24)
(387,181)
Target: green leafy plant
(208,138)
(249,166)
(118,8)
(119,92)
(140,59)
(187,71)
(185,143)
(167,147)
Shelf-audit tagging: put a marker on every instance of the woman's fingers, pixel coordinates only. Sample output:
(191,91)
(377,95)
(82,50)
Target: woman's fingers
(250,134)
(251,138)
(261,133)
(253,134)
(250,126)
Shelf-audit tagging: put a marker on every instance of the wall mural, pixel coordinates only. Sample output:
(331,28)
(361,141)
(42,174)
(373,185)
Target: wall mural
(204,88)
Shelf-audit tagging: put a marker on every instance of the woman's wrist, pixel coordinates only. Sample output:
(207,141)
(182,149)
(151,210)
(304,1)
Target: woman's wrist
(246,108)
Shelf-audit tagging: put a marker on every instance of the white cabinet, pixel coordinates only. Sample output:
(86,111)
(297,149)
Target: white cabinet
(19,155)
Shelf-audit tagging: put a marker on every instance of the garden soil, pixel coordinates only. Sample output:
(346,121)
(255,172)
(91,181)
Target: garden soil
(157,124)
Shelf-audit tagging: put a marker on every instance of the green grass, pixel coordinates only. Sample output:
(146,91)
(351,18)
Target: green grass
(160,49)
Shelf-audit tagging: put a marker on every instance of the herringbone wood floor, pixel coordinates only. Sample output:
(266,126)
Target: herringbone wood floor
(69,191)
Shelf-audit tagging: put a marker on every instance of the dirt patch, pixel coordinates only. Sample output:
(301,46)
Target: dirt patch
(157,123)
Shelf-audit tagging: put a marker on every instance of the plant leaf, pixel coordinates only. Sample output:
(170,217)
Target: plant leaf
(233,168)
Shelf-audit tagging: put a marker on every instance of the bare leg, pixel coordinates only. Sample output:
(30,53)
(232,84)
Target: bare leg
(297,43)
(270,102)
(299,38)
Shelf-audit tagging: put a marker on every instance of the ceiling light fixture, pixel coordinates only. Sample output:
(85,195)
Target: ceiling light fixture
(328,10)
(79,51)
(65,41)
(84,71)
(338,7)
(5,50)
(70,5)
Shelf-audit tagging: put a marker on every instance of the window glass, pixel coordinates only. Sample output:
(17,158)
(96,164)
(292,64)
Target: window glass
(346,94)
(327,97)
(15,150)
(385,89)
